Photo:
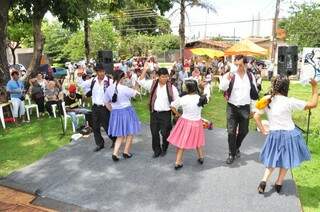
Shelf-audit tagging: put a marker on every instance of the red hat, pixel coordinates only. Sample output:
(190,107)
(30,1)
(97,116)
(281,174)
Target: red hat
(72,88)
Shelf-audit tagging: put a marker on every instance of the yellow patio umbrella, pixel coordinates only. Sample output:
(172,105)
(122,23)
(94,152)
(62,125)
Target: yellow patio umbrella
(246,47)
(209,52)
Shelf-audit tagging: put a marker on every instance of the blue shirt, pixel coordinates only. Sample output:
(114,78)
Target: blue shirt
(183,75)
(15,88)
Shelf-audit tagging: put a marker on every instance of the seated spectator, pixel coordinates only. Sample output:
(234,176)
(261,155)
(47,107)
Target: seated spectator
(52,96)
(16,90)
(73,106)
(42,82)
(37,95)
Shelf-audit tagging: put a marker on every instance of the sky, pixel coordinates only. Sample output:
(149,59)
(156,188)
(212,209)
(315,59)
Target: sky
(201,24)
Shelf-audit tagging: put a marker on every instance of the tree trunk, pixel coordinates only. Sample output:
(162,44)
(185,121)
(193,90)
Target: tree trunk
(182,29)
(86,39)
(13,55)
(13,46)
(38,44)
(4,66)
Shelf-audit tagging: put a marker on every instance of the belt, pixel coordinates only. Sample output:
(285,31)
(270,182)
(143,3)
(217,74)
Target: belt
(238,106)
(166,111)
(98,105)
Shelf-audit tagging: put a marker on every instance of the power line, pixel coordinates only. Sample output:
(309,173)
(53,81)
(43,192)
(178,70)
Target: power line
(228,22)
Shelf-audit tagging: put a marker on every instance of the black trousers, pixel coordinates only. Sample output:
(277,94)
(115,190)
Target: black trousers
(49,108)
(160,122)
(100,117)
(40,103)
(237,117)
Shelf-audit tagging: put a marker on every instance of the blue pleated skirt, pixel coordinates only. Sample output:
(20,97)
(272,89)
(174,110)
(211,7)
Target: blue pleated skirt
(284,149)
(124,122)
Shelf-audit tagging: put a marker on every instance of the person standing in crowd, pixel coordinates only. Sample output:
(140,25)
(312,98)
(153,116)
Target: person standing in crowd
(37,95)
(284,147)
(73,107)
(183,75)
(16,89)
(52,96)
(162,93)
(100,114)
(123,123)
(207,83)
(188,133)
(270,71)
(240,88)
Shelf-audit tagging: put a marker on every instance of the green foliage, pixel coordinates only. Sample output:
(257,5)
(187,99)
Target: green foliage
(102,36)
(75,46)
(19,30)
(142,45)
(303,26)
(55,40)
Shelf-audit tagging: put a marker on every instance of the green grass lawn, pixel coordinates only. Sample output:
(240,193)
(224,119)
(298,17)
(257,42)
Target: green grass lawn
(23,145)
(20,146)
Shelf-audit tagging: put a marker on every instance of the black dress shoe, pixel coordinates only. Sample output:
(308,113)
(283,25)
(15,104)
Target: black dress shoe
(238,154)
(230,159)
(115,158)
(201,160)
(126,156)
(163,153)
(98,148)
(156,155)
(178,166)
(277,188)
(262,187)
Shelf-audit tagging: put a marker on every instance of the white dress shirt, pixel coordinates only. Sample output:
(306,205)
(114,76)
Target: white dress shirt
(161,103)
(99,89)
(240,94)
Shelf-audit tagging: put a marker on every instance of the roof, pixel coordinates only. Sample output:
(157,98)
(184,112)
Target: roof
(215,44)
(258,39)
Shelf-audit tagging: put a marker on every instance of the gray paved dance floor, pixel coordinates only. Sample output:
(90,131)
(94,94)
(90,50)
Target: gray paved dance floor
(75,179)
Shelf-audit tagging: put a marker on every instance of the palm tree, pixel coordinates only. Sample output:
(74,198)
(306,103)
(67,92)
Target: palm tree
(183,5)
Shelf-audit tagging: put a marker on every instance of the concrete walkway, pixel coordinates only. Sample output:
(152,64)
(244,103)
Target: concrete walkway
(76,179)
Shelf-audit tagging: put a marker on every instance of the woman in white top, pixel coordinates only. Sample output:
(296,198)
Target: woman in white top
(285,147)
(123,122)
(188,133)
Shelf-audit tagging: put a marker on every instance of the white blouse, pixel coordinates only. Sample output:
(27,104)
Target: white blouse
(191,110)
(280,112)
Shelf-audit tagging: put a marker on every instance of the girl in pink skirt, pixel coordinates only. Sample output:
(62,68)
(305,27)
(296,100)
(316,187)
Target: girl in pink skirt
(188,133)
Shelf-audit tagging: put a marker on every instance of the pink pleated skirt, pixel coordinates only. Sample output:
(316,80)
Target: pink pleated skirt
(187,134)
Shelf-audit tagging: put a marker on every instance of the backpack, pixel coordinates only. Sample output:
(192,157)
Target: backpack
(253,91)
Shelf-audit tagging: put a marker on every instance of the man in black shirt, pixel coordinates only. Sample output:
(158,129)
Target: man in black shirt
(73,107)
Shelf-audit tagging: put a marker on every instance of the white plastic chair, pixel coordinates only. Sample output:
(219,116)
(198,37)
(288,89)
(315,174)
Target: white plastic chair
(2,105)
(54,108)
(66,117)
(29,107)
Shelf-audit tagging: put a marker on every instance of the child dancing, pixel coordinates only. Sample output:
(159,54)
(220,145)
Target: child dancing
(123,122)
(188,133)
(284,147)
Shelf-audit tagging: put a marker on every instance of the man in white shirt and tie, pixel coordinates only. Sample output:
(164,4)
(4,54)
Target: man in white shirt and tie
(100,114)
(240,88)
(162,93)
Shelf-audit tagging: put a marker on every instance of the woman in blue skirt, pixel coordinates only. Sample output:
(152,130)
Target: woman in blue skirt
(123,123)
(285,147)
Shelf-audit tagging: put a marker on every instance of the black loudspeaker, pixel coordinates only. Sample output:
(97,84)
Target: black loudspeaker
(287,60)
(106,58)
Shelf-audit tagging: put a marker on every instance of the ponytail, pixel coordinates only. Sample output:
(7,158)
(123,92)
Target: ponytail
(118,75)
